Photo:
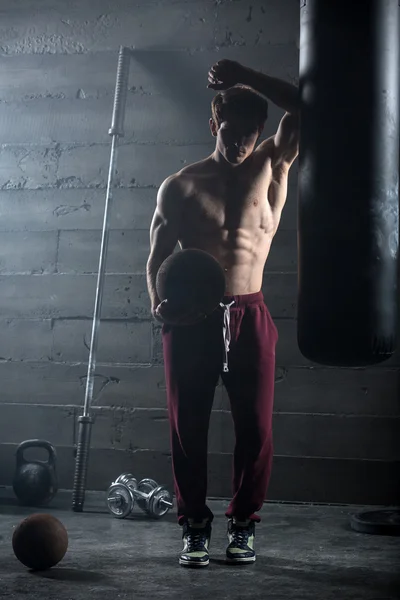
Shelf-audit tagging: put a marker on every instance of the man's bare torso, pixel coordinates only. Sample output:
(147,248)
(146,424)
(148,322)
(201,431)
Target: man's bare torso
(229,214)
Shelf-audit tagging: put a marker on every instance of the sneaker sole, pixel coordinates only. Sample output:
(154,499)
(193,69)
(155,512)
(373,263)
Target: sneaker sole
(193,565)
(241,561)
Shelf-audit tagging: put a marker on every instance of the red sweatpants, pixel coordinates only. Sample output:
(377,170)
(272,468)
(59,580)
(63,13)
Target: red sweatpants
(194,358)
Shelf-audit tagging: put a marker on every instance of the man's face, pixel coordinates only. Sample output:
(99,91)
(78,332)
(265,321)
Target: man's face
(236,139)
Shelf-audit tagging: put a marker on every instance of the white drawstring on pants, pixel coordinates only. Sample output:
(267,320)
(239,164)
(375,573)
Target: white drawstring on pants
(226,332)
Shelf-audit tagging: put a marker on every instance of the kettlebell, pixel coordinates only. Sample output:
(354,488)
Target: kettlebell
(35,482)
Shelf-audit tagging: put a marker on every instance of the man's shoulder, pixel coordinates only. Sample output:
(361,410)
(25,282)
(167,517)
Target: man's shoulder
(192,171)
(183,180)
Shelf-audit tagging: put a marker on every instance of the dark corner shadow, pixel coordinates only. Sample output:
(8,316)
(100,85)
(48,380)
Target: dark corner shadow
(7,501)
(180,78)
(384,584)
(68,574)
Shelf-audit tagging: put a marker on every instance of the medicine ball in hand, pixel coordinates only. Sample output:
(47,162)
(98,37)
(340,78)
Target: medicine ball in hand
(191,280)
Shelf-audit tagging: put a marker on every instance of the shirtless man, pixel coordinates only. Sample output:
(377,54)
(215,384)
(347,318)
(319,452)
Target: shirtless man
(229,205)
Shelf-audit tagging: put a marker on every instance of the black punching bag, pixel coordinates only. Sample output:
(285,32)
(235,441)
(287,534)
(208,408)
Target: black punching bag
(348,181)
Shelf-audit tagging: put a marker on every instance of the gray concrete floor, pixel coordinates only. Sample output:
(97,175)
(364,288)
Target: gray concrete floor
(302,552)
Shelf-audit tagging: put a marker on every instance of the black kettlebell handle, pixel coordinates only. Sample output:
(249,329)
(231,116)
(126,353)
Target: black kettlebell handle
(36,444)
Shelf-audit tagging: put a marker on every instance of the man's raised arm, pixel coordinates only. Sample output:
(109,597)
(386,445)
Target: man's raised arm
(283,146)
(282,93)
(227,73)
(285,143)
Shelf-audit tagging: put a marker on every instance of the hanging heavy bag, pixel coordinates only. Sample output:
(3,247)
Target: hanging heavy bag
(348,181)
(35,481)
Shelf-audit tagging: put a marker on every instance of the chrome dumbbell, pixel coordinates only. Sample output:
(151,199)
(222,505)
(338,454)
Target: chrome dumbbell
(155,500)
(120,501)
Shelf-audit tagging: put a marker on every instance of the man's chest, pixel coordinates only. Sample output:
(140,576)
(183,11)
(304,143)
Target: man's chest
(235,204)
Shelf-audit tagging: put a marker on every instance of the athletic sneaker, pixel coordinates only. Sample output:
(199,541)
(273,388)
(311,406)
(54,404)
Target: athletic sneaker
(196,540)
(241,542)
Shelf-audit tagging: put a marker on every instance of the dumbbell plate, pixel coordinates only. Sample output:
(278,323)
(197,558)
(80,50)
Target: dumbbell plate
(159,502)
(125,478)
(120,501)
(147,485)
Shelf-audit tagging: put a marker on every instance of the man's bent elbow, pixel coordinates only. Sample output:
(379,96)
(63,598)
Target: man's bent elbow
(155,261)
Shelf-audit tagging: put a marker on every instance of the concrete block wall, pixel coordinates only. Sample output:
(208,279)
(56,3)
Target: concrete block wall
(336,430)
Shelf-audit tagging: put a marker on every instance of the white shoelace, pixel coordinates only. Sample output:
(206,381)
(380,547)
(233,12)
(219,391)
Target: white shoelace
(226,332)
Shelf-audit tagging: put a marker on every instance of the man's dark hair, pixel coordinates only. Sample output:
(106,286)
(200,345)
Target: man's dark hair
(239,102)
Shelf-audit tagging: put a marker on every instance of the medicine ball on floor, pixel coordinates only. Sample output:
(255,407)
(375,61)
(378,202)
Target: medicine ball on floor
(40,541)
(191,280)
